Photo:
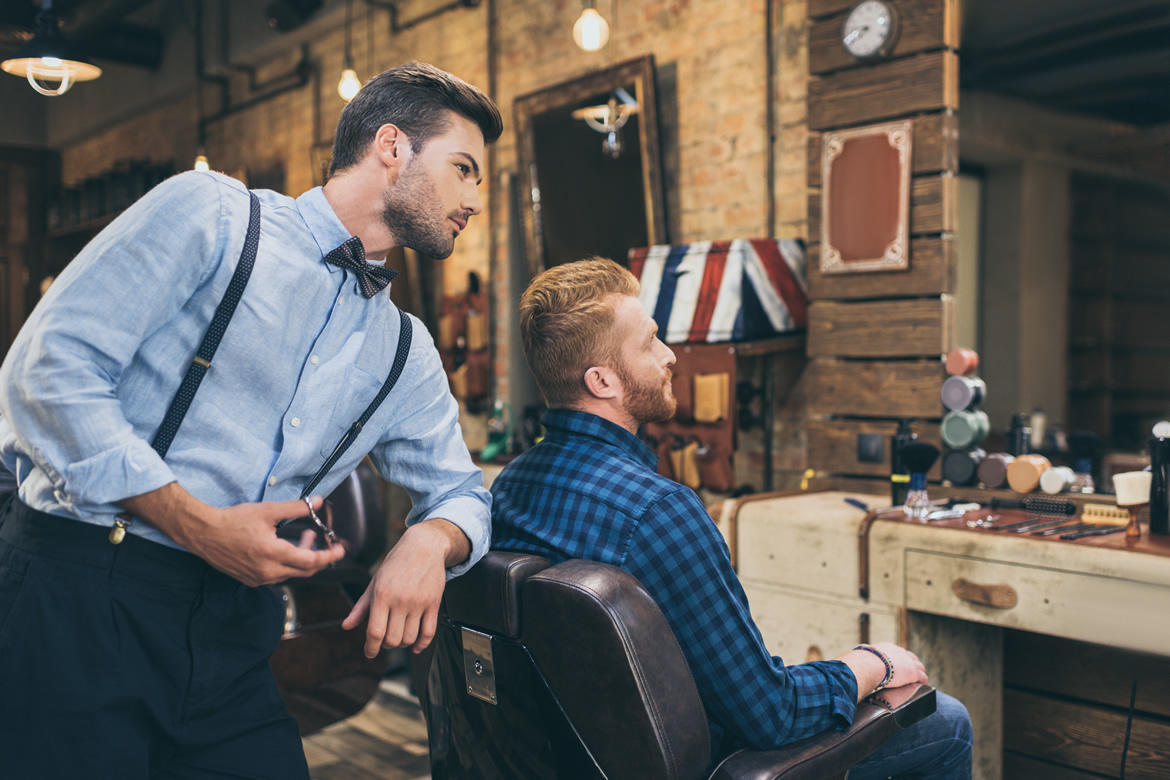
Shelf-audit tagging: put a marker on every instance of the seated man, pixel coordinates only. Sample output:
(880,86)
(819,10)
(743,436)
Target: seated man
(590,490)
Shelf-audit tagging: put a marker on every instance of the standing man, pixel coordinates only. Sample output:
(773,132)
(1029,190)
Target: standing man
(590,490)
(135,621)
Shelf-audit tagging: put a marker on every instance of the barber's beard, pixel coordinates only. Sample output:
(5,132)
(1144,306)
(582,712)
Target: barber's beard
(413,215)
(647,402)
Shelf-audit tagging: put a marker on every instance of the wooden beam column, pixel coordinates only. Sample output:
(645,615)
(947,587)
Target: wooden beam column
(876,338)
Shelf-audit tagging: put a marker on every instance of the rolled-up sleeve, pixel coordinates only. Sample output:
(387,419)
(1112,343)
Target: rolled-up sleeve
(59,388)
(424,453)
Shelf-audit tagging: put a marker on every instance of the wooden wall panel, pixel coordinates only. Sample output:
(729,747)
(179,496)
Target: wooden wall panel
(933,206)
(904,328)
(1136,323)
(1083,736)
(931,271)
(875,388)
(934,147)
(925,82)
(1016,765)
(1088,368)
(832,446)
(1092,672)
(855,344)
(923,27)
(819,8)
(1091,320)
(1141,371)
(864,485)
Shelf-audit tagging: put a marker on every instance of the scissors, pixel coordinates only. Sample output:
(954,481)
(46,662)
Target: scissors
(323,529)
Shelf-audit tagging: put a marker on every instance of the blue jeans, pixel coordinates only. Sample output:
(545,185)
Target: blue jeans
(938,746)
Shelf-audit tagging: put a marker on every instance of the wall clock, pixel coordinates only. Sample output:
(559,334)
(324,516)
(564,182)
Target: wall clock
(870,29)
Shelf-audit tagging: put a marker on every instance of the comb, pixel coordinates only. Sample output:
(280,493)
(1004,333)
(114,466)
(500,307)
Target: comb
(1105,513)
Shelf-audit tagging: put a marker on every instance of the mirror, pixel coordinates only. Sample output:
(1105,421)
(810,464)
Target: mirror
(1063,147)
(590,166)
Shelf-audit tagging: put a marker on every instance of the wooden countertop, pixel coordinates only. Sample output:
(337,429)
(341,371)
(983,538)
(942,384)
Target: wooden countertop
(1149,544)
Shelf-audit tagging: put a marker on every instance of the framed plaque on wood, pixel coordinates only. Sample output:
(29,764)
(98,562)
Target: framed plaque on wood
(865,200)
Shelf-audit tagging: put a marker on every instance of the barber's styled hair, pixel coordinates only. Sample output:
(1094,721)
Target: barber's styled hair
(565,323)
(416,97)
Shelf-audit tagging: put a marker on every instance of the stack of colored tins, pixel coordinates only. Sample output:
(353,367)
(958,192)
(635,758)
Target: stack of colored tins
(965,425)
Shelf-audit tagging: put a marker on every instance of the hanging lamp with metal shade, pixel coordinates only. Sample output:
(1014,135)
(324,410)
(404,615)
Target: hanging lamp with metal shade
(50,63)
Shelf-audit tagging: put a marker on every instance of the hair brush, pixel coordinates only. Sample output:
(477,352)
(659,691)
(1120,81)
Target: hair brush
(1037,505)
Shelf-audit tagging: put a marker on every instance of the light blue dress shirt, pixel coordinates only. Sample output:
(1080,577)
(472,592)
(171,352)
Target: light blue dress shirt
(91,374)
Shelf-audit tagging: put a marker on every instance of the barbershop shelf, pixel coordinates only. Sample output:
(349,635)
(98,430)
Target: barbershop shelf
(786,343)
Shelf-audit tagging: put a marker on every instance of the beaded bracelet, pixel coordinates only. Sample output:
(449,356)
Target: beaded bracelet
(885,661)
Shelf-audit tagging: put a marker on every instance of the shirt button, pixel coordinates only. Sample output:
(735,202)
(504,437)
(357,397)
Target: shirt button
(60,496)
(340,299)
(314,360)
(294,422)
(271,481)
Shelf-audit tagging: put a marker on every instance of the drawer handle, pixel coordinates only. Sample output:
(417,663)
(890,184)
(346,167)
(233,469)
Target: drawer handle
(998,596)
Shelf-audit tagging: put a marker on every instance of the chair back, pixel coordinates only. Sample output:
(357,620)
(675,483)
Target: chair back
(568,671)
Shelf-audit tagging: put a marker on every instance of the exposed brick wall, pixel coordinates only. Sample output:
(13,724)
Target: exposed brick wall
(711,57)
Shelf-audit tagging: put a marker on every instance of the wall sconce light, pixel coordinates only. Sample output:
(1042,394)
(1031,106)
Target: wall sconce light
(610,119)
(49,62)
(349,84)
(590,31)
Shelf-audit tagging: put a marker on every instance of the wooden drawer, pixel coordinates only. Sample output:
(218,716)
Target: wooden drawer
(807,541)
(795,622)
(1089,607)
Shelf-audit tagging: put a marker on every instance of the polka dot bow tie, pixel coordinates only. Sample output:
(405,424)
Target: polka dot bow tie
(351,255)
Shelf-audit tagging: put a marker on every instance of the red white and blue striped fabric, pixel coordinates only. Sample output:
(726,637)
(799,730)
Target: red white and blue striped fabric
(712,291)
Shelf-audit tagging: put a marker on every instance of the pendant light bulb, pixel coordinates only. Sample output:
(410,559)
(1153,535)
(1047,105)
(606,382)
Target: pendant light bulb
(349,84)
(590,31)
(48,61)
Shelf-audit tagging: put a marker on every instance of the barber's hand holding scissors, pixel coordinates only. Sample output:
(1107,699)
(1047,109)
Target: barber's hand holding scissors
(239,540)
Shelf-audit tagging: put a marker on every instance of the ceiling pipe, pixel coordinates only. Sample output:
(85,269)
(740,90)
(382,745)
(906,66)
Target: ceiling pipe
(259,91)
(397,26)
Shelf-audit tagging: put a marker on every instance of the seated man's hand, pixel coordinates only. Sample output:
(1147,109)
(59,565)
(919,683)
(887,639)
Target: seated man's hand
(907,668)
(402,600)
(869,670)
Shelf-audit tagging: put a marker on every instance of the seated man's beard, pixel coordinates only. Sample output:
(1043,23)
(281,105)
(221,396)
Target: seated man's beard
(647,402)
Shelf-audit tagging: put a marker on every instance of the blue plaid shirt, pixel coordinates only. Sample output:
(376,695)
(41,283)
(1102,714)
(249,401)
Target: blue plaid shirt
(590,490)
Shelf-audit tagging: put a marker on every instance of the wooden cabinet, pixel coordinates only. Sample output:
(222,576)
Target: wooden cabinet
(957,597)
(801,625)
(799,568)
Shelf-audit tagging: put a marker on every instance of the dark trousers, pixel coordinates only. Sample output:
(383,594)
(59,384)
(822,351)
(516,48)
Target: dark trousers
(133,661)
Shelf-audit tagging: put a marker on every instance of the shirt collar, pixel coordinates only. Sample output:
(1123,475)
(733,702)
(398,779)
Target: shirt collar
(324,224)
(564,424)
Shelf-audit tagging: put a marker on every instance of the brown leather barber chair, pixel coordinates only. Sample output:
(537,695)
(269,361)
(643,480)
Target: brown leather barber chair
(320,669)
(571,671)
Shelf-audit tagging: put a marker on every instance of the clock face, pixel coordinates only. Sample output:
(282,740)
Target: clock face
(869,29)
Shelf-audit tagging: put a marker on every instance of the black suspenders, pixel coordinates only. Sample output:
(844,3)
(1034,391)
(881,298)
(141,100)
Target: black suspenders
(203,356)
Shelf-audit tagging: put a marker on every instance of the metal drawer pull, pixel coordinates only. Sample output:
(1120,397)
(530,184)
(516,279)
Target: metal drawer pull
(998,596)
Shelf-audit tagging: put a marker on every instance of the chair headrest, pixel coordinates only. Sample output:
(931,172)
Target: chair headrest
(488,595)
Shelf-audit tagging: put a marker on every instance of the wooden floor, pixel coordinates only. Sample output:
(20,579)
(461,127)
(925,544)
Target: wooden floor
(388,739)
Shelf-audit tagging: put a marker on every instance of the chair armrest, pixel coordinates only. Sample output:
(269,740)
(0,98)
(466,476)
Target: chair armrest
(832,753)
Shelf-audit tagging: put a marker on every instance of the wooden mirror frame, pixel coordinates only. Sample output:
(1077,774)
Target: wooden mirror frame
(640,73)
